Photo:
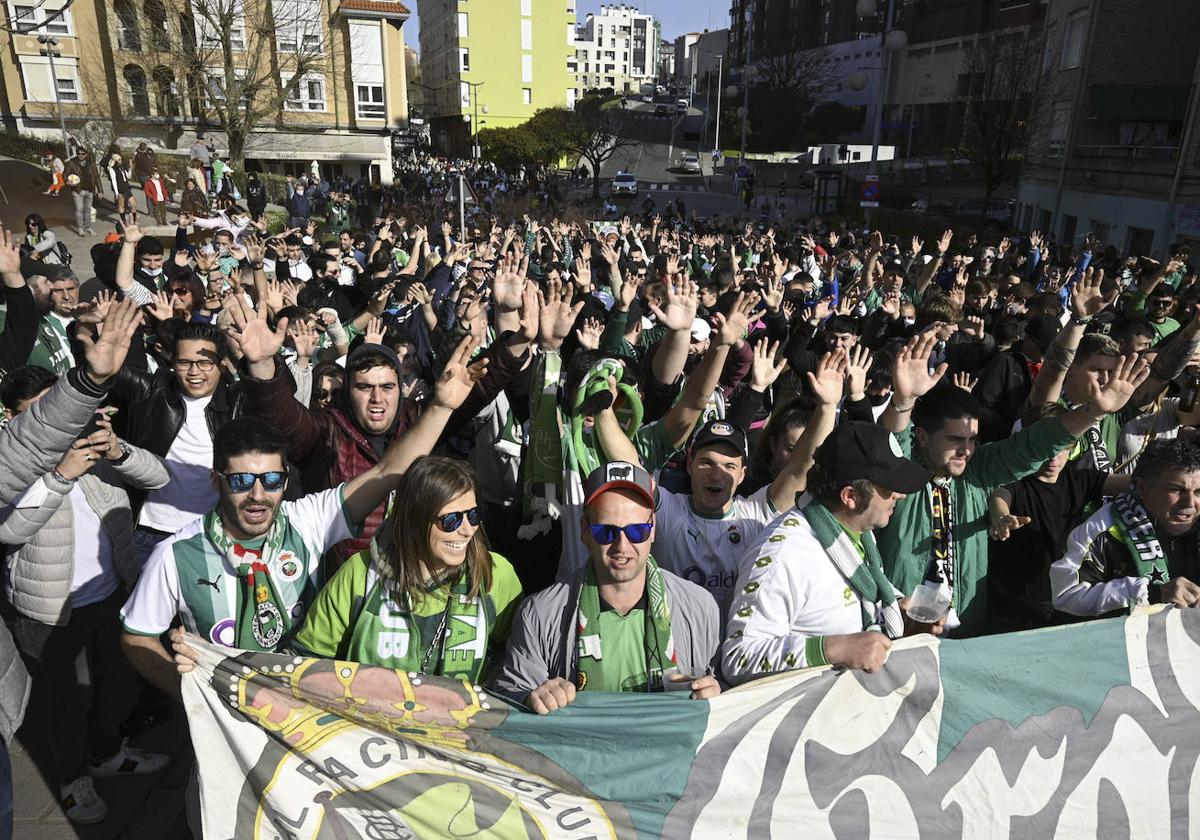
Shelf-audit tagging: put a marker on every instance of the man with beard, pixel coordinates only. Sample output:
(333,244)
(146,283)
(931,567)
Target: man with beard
(243,575)
(938,535)
(1141,547)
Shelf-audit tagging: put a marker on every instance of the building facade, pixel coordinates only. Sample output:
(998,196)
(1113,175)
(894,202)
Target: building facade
(1117,151)
(618,49)
(493,63)
(326,83)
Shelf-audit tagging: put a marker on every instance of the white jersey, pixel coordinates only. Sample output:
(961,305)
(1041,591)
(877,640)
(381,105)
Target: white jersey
(788,593)
(706,549)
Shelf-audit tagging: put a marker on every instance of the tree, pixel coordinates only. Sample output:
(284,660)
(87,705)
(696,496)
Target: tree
(589,133)
(1000,76)
(251,61)
(511,147)
(829,122)
(788,83)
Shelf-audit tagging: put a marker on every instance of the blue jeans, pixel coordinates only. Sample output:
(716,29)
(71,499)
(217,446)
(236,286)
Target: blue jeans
(6,793)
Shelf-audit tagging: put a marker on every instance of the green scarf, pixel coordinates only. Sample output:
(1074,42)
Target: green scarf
(589,657)
(589,456)
(864,573)
(451,642)
(1138,532)
(543,462)
(262,617)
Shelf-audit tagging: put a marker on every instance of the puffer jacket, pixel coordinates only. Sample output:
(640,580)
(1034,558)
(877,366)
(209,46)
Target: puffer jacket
(42,568)
(30,446)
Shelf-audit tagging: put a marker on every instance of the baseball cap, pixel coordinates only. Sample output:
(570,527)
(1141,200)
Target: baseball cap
(618,475)
(895,264)
(859,450)
(721,432)
(110,238)
(700,329)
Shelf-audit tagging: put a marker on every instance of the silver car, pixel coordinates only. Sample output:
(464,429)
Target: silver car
(689,163)
(624,183)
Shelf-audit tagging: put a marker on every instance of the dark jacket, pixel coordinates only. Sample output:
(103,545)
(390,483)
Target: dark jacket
(299,206)
(89,175)
(328,446)
(256,197)
(1004,385)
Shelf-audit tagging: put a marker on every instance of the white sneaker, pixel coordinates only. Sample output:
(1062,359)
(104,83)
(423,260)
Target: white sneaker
(128,762)
(81,803)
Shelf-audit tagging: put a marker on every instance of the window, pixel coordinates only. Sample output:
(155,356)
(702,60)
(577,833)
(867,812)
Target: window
(464,60)
(462,25)
(1060,124)
(526,68)
(526,7)
(368,100)
(67,90)
(299,27)
(26,17)
(527,96)
(1072,52)
(1048,52)
(464,94)
(212,39)
(526,34)
(127,27)
(306,94)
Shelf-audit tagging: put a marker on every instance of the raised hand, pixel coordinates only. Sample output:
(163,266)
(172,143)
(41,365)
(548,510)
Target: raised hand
(10,253)
(558,313)
(305,338)
(1002,526)
(763,368)
(583,273)
(252,336)
(95,311)
(458,377)
(1086,297)
(379,300)
(917,245)
(104,356)
(132,233)
(912,378)
(509,284)
(965,381)
(773,293)
(374,332)
(972,325)
(944,243)
(732,327)
(1129,374)
(858,365)
(588,335)
(683,298)
(160,309)
(826,381)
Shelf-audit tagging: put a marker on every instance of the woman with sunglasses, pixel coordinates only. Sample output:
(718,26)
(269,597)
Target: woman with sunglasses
(427,596)
(40,242)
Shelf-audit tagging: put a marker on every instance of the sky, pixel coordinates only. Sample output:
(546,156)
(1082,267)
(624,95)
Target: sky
(676,16)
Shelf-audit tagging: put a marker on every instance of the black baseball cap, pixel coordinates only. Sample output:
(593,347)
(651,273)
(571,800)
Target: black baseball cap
(618,475)
(894,266)
(868,451)
(716,432)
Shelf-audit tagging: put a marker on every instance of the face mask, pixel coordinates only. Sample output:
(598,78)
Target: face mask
(878,399)
(300,191)
(152,272)
(239,220)
(908,322)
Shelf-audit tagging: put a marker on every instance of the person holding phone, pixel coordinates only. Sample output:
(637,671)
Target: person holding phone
(623,624)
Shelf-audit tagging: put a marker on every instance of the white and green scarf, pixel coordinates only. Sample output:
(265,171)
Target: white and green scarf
(880,611)
(262,617)
(1139,534)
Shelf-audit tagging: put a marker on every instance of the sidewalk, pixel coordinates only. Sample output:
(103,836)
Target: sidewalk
(139,808)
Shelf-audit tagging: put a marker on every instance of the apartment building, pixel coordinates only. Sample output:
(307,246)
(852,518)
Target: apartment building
(151,69)
(1116,150)
(493,63)
(618,49)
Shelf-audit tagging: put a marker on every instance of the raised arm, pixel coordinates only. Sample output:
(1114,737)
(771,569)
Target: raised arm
(1086,301)
(125,282)
(683,297)
(826,383)
(911,380)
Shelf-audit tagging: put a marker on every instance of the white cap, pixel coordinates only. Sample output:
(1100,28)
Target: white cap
(700,329)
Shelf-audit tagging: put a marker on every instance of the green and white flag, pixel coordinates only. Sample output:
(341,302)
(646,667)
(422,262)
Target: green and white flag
(1090,730)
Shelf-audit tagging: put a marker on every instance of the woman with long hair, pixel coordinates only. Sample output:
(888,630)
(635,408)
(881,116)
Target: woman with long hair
(194,201)
(427,596)
(40,242)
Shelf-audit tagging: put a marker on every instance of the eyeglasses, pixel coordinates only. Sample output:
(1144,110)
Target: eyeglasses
(202,365)
(637,533)
(243,482)
(449,522)
(181,292)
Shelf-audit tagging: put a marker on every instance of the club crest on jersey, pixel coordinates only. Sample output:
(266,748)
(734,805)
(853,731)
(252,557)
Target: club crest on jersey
(267,625)
(289,566)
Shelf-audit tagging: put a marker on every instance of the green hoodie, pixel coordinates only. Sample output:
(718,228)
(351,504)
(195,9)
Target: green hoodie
(904,544)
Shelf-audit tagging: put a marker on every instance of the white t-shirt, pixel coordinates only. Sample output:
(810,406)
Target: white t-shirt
(95,576)
(706,549)
(297,271)
(190,493)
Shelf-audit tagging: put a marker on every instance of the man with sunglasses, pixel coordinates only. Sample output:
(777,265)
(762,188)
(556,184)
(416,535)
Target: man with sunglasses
(243,575)
(623,624)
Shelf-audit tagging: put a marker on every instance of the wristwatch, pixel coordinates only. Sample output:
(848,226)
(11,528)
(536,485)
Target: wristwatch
(126,451)
(1080,322)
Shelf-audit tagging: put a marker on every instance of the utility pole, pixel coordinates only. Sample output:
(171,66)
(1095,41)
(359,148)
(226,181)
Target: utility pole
(880,99)
(48,49)
(720,83)
(747,69)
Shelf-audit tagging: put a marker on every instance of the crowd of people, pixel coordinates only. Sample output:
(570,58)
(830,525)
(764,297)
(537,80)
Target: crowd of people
(556,456)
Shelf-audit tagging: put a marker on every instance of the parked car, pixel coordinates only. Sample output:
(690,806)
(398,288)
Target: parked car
(661,110)
(624,183)
(681,106)
(689,162)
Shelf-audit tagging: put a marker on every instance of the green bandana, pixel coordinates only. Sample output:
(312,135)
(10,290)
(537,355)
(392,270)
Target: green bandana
(589,657)
(448,642)
(864,573)
(1139,534)
(262,616)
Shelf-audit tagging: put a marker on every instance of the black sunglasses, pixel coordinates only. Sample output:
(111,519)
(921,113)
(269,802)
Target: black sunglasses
(449,522)
(243,482)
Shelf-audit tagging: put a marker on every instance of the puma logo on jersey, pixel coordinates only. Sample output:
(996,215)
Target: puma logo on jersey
(215,583)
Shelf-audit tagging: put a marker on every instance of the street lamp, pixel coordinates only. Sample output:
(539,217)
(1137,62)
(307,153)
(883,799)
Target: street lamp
(717,137)
(48,49)
(890,40)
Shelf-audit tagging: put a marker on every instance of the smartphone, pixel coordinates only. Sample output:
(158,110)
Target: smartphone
(93,425)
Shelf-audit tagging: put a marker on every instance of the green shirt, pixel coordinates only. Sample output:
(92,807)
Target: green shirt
(347,622)
(905,544)
(624,640)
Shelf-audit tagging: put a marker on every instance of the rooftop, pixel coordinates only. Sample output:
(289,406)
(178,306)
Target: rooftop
(376,8)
